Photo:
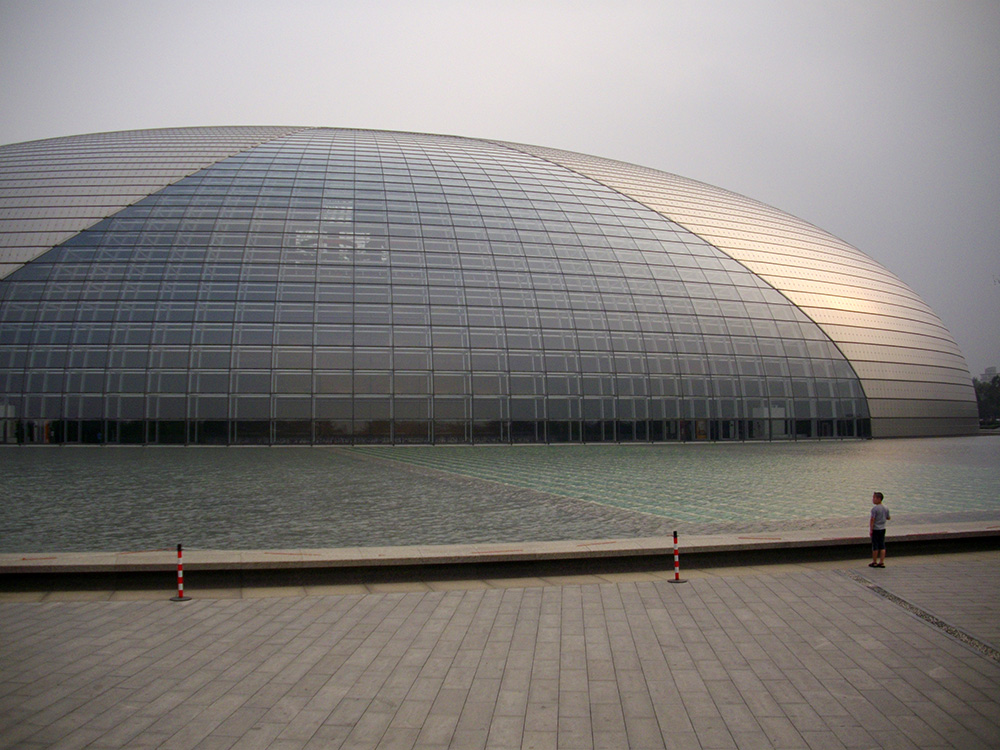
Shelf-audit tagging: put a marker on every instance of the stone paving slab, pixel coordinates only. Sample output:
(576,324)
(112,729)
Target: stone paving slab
(973,605)
(791,656)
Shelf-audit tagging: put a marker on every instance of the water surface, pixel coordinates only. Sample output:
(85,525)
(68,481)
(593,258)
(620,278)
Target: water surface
(120,498)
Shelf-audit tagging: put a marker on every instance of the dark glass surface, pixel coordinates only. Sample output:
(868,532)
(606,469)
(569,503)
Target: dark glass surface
(377,287)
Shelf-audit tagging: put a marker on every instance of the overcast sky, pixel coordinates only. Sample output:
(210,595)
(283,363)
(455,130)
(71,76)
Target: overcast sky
(877,121)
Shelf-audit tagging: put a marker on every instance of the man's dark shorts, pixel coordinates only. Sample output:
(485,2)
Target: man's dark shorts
(878,539)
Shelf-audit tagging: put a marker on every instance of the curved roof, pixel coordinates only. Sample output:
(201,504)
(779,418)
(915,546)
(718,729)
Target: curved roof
(897,345)
(768,264)
(54,188)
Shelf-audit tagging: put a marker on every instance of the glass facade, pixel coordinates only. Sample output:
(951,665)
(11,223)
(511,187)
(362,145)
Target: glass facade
(343,286)
(52,189)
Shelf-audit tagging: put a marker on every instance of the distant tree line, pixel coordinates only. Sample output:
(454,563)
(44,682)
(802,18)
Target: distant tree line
(988,398)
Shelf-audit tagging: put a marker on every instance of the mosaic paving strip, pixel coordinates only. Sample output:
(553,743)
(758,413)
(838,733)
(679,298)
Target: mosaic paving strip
(960,635)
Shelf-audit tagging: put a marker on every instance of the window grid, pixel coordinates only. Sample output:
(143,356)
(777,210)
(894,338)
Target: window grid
(351,286)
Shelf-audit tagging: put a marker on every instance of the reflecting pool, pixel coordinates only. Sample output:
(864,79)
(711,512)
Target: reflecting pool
(119,498)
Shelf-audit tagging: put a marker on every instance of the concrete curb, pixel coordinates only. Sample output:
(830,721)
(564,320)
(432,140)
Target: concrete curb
(702,548)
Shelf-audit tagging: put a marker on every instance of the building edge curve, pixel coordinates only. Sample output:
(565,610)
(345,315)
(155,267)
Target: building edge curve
(914,378)
(871,315)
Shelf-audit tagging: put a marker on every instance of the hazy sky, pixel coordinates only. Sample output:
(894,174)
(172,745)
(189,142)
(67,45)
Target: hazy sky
(877,121)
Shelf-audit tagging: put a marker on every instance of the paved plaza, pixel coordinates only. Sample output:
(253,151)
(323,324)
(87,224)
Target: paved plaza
(790,656)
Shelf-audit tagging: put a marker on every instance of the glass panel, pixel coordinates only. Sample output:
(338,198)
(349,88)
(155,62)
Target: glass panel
(376,269)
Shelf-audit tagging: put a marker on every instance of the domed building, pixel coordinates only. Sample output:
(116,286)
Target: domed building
(322,285)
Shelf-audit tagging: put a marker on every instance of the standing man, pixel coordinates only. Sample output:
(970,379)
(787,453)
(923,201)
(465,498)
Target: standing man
(876,530)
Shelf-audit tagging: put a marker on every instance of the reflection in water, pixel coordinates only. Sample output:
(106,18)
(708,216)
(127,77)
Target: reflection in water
(65,499)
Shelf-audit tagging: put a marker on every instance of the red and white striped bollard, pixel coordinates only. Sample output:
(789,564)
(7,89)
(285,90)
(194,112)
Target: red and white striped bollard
(677,563)
(180,578)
